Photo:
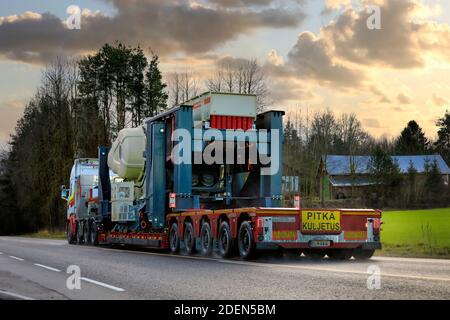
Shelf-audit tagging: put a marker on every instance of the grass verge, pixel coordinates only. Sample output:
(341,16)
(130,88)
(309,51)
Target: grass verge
(416,233)
(46,234)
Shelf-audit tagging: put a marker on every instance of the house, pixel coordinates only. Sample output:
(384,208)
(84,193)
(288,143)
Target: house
(349,176)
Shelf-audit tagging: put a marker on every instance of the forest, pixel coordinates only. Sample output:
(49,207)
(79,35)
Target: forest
(82,104)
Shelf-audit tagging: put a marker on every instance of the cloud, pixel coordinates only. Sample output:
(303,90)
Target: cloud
(240,3)
(168,26)
(372,123)
(311,58)
(404,98)
(332,5)
(402,42)
(439,101)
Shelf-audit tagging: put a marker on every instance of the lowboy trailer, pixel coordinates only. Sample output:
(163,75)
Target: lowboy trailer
(177,183)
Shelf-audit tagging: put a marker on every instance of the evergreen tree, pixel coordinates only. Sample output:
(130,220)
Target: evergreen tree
(442,145)
(412,140)
(155,94)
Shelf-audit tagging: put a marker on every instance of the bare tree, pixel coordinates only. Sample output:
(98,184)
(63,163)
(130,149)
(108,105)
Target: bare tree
(241,76)
(182,87)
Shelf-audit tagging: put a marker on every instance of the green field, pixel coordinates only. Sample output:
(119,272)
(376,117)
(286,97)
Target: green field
(416,233)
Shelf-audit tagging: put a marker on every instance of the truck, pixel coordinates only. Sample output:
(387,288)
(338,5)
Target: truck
(205,177)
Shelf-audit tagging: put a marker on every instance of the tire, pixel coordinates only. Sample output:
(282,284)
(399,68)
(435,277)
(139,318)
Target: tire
(80,231)
(174,239)
(94,234)
(246,243)
(340,254)
(189,238)
(361,254)
(70,237)
(224,240)
(87,233)
(205,239)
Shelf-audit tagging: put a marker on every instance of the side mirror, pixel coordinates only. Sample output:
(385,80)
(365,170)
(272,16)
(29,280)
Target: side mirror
(64,193)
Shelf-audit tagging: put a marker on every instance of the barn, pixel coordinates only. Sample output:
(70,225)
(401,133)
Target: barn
(344,176)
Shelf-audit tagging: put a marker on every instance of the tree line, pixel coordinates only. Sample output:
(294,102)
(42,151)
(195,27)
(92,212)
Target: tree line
(310,137)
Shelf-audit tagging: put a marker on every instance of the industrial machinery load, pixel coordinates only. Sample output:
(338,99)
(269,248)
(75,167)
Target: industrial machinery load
(204,177)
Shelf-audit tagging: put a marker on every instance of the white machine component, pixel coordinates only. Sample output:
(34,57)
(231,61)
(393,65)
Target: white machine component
(122,195)
(126,157)
(222,104)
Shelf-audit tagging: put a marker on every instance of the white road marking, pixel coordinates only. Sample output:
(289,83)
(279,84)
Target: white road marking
(16,258)
(15,295)
(46,267)
(417,260)
(273,265)
(102,284)
(334,270)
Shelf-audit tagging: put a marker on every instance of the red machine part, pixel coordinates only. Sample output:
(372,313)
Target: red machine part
(231,122)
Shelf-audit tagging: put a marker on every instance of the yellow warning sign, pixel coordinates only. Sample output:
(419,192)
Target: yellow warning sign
(321,221)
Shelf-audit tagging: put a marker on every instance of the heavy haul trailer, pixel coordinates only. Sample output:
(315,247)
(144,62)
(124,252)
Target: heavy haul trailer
(203,206)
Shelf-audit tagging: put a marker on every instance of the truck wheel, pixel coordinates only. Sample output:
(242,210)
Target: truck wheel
(94,233)
(361,254)
(174,239)
(340,254)
(205,239)
(189,238)
(87,233)
(225,242)
(80,230)
(246,245)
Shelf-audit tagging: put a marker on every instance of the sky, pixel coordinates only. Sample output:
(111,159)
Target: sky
(316,54)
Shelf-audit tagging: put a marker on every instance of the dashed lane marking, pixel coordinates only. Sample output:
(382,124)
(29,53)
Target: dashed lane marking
(46,267)
(16,258)
(105,285)
(15,295)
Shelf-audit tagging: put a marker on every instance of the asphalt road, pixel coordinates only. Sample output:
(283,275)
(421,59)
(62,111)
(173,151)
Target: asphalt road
(37,269)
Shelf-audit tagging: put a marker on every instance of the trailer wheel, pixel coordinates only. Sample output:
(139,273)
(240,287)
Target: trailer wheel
(205,239)
(174,239)
(246,245)
(361,254)
(94,233)
(189,238)
(339,254)
(87,233)
(80,230)
(225,242)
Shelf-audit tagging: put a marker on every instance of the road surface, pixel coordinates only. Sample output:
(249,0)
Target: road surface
(37,269)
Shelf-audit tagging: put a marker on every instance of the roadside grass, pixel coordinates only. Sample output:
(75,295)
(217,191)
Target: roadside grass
(416,233)
(46,234)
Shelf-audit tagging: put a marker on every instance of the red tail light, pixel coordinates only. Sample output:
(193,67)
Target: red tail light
(260,226)
(376,226)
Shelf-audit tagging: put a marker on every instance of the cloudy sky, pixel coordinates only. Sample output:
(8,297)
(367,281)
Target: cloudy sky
(317,53)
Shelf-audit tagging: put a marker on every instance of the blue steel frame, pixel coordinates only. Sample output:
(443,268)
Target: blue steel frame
(155,173)
(155,170)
